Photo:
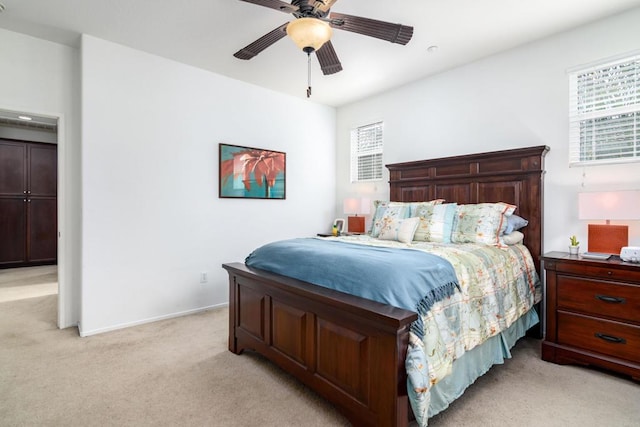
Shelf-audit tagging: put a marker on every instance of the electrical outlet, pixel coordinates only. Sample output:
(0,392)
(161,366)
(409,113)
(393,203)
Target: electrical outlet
(203,277)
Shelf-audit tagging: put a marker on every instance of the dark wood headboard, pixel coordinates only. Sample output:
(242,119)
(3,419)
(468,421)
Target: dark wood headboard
(510,176)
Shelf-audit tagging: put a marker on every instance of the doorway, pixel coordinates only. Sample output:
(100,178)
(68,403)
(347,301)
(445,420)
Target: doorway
(29,267)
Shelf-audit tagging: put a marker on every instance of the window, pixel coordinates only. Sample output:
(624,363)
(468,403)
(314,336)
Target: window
(366,153)
(604,112)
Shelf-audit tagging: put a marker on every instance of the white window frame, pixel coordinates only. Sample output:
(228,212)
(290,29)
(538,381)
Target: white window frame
(367,143)
(604,111)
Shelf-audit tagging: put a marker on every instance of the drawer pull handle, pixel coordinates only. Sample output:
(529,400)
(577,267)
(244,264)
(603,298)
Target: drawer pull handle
(612,300)
(611,338)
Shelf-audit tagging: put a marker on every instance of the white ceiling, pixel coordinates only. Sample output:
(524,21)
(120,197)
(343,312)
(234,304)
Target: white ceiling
(206,33)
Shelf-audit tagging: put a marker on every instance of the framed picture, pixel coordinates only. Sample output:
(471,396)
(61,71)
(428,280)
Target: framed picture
(252,173)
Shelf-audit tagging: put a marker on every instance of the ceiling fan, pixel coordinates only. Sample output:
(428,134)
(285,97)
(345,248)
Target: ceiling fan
(312,29)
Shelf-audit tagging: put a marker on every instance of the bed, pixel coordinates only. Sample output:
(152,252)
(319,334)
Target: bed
(352,350)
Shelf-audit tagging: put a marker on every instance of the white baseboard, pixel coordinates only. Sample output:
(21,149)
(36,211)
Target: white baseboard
(150,320)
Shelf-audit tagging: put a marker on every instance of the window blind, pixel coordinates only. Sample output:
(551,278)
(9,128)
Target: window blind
(366,153)
(604,112)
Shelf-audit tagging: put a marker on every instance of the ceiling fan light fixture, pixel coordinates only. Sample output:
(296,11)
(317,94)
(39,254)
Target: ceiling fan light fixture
(309,33)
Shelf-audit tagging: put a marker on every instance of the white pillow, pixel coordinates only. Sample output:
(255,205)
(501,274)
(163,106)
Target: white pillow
(401,230)
(513,238)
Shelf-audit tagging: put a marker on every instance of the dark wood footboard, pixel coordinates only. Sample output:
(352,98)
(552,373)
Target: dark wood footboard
(348,349)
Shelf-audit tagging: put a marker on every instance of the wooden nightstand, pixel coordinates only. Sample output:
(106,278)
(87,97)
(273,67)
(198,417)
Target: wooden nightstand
(593,313)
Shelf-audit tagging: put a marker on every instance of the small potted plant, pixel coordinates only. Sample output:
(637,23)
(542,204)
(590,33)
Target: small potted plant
(574,247)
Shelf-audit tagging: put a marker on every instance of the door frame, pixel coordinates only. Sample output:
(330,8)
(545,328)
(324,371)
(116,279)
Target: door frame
(63,295)
(65,306)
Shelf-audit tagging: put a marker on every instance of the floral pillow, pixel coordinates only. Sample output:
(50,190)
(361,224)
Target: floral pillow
(385,212)
(395,209)
(481,223)
(401,230)
(436,222)
(379,208)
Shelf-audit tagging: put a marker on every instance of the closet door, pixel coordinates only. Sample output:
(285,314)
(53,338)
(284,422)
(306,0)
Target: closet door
(42,236)
(28,203)
(13,202)
(13,226)
(42,226)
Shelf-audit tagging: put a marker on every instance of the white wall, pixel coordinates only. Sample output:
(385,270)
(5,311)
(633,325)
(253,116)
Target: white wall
(151,127)
(41,77)
(515,99)
(152,219)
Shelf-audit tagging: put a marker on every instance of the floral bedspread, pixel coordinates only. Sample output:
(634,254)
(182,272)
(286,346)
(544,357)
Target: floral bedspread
(497,286)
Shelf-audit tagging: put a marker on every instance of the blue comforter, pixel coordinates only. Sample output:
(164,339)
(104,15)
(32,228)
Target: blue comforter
(404,278)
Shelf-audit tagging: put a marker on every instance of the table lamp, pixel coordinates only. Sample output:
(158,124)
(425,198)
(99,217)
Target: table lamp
(608,205)
(355,224)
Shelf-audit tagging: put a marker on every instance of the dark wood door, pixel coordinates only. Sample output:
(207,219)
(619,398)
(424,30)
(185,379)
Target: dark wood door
(13,228)
(28,203)
(42,226)
(13,168)
(13,202)
(43,170)
(42,242)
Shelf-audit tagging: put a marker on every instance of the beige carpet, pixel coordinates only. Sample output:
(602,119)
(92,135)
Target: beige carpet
(178,373)
(28,282)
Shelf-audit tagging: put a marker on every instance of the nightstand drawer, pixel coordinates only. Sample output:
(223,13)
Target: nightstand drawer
(593,313)
(604,272)
(602,336)
(595,297)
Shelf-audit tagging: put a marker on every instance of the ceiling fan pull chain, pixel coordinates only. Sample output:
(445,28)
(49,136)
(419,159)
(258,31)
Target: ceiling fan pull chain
(308,74)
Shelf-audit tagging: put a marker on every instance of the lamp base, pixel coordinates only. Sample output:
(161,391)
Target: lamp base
(608,239)
(355,224)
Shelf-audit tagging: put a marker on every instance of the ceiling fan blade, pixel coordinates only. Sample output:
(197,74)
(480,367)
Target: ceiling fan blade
(328,59)
(275,4)
(262,43)
(394,33)
(323,5)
